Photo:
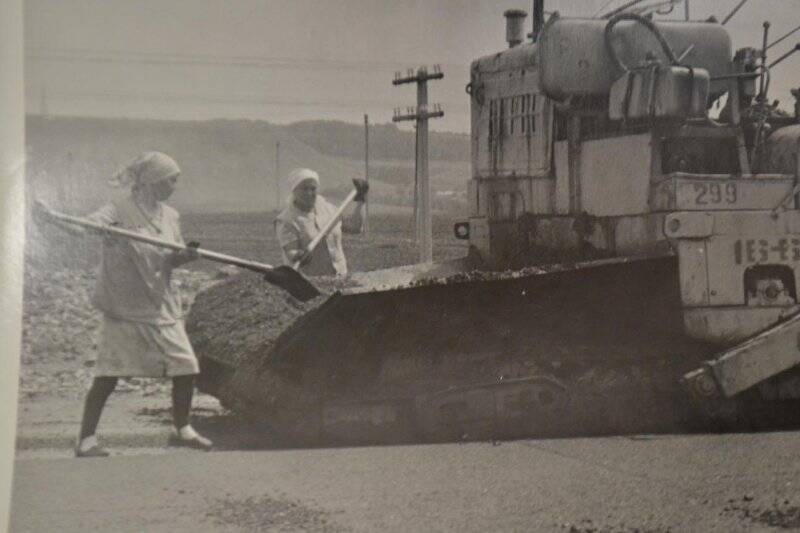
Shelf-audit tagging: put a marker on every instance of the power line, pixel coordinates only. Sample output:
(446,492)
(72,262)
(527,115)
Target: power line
(160,58)
(247,99)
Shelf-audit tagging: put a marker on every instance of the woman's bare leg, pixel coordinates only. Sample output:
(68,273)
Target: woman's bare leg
(182,392)
(101,389)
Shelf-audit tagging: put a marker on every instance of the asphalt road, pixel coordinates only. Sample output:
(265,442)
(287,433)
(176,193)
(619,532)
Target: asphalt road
(734,482)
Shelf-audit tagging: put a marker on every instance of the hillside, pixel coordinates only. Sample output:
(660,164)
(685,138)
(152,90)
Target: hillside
(228,165)
(387,141)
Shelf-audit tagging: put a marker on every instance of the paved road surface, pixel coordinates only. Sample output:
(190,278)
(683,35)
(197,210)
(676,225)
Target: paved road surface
(739,482)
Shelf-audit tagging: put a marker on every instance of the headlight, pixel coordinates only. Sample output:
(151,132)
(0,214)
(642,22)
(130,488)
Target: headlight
(461,230)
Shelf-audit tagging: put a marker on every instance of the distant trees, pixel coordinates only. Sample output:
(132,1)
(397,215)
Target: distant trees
(386,141)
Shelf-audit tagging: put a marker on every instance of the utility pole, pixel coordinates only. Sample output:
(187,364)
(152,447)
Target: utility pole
(366,171)
(421,114)
(278,176)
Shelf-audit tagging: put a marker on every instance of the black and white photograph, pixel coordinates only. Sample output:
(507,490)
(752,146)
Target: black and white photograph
(411,265)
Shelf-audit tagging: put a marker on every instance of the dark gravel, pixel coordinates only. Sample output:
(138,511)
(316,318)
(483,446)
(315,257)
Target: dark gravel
(242,317)
(266,513)
(779,514)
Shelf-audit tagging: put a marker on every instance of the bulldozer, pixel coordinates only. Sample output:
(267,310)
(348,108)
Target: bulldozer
(633,261)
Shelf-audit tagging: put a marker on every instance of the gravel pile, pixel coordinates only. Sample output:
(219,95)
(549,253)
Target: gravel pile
(237,323)
(240,318)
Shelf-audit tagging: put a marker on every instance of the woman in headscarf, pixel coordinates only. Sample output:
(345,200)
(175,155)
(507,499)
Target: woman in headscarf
(142,333)
(304,217)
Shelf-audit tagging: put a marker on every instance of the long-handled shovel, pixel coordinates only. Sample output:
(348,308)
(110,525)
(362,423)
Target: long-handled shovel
(283,276)
(361,188)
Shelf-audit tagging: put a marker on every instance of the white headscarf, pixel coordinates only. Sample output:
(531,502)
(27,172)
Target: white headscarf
(298,176)
(146,168)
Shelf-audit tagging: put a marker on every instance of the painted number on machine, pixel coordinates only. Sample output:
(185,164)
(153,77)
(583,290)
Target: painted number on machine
(711,193)
(747,251)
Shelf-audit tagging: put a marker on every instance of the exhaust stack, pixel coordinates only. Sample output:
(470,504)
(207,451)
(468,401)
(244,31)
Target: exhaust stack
(515,33)
(538,19)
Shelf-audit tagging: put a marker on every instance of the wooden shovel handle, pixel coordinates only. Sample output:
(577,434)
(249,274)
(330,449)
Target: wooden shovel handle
(131,235)
(327,228)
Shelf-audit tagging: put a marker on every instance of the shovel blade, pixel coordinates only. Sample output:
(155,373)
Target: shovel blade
(292,282)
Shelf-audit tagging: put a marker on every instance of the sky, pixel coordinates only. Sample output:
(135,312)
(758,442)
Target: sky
(289,60)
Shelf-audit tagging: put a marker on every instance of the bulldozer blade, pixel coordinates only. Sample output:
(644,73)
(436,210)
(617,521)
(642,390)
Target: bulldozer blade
(292,282)
(566,350)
